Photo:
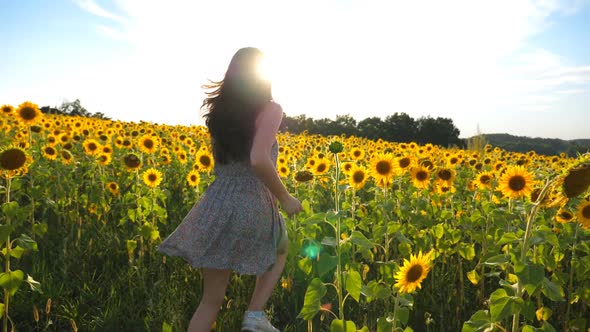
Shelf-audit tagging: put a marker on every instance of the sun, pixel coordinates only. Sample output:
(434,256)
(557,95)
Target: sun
(264,68)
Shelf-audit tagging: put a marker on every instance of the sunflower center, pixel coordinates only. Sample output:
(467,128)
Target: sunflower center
(193,178)
(92,147)
(205,160)
(12,159)
(414,273)
(28,113)
(383,167)
(586,212)
(445,174)
(454,160)
(404,162)
(358,176)
(357,153)
(148,143)
(132,161)
(152,177)
(485,179)
(421,175)
(321,167)
(566,215)
(50,151)
(517,183)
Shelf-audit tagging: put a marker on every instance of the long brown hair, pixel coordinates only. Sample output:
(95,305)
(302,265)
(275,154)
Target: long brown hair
(231,107)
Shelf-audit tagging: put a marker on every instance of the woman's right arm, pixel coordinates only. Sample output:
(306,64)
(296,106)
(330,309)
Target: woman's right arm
(266,127)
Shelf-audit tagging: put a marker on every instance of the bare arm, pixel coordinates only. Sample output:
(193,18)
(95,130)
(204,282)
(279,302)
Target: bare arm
(267,124)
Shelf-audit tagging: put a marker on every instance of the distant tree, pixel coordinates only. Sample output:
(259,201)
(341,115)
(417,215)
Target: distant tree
(439,131)
(399,127)
(371,128)
(345,124)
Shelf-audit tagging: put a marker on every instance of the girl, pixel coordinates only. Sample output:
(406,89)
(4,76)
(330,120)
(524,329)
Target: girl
(236,224)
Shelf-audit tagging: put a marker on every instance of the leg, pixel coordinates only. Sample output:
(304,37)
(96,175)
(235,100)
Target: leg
(267,282)
(215,284)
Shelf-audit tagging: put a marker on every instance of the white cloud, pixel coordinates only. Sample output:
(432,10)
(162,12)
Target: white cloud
(460,59)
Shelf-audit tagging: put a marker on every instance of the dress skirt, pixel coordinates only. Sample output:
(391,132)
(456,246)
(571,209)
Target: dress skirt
(235,225)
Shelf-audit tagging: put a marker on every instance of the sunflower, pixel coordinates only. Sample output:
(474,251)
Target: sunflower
(113,187)
(564,216)
(577,181)
(411,274)
(483,180)
(357,177)
(403,164)
(28,113)
(443,188)
(584,214)
(204,160)
(182,157)
(49,152)
(132,161)
(516,182)
(193,178)
(445,175)
(104,159)
(7,110)
(152,177)
(283,170)
(420,177)
(357,153)
(66,157)
(382,168)
(148,144)
(303,176)
(13,160)
(322,166)
(345,167)
(91,146)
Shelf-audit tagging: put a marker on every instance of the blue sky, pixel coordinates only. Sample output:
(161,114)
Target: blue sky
(518,67)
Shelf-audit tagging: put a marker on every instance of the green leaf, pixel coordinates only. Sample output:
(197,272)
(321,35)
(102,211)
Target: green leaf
(316,218)
(497,260)
(338,325)
(530,274)
(438,231)
(5,231)
(361,240)
(374,290)
(329,241)
(312,301)
(305,265)
(326,264)
(508,238)
(26,242)
(353,284)
(40,229)
(1,309)
(503,306)
(402,315)
(479,322)
(11,280)
(10,209)
(166,327)
(306,207)
(553,291)
(383,325)
(467,251)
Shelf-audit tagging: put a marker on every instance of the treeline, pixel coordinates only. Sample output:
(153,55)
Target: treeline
(72,108)
(399,127)
(546,146)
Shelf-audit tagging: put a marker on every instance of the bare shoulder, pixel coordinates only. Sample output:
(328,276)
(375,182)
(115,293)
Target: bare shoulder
(270,114)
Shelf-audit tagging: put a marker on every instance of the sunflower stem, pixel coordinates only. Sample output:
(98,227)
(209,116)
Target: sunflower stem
(7,266)
(525,246)
(571,276)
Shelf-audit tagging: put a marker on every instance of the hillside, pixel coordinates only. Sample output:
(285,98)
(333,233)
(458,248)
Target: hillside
(546,146)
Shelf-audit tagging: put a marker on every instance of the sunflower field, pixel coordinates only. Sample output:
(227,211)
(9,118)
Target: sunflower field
(393,236)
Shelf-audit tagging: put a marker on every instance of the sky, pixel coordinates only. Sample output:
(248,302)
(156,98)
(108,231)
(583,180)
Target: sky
(517,66)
